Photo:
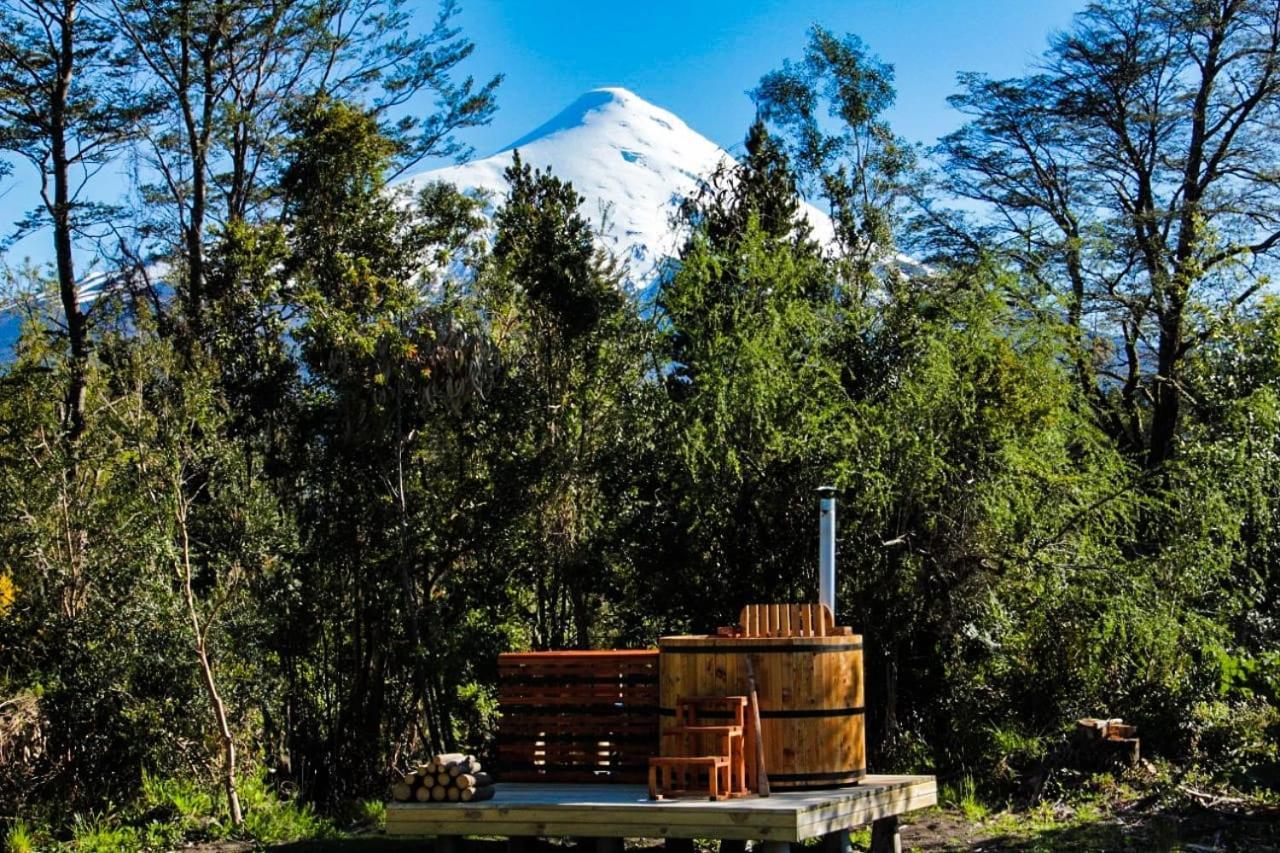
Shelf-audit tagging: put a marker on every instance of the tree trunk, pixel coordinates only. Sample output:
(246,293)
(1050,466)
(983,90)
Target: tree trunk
(1164,415)
(68,288)
(200,634)
(224,734)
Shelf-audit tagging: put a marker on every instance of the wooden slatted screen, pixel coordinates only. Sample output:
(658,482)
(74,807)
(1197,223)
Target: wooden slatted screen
(589,716)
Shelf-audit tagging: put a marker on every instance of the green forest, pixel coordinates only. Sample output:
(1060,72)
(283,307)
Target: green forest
(289,454)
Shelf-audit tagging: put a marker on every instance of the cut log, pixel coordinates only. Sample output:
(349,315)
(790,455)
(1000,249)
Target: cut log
(475,795)
(1098,743)
(422,794)
(473,780)
(467,765)
(438,793)
(401,793)
(454,794)
(444,759)
(410,779)
(443,778)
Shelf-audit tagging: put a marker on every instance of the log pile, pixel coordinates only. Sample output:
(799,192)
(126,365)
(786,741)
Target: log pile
(451,777)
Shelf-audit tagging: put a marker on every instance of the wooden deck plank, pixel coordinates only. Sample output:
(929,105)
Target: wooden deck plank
(624,811)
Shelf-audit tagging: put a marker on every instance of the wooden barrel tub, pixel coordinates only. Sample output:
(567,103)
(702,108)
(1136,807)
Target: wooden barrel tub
(810,692)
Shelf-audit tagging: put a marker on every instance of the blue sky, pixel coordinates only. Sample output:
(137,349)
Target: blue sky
(698,58)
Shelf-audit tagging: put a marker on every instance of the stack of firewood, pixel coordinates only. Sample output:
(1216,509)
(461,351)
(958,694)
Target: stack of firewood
(449,777)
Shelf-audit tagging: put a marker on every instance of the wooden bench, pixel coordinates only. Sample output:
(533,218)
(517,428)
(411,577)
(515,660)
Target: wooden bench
(679,776)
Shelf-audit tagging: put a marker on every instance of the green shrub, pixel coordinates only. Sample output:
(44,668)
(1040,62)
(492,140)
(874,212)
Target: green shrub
(1012,753)
(371,813)
(183,797)
(270,818)
(171,811)
(1237,741)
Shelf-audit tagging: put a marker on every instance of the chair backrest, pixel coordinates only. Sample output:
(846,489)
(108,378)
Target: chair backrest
(696,710)
(787,620)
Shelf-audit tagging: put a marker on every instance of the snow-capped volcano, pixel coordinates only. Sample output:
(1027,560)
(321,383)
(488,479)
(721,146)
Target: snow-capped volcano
(632,161)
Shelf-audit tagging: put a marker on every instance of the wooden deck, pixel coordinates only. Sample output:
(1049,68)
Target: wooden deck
(624,811)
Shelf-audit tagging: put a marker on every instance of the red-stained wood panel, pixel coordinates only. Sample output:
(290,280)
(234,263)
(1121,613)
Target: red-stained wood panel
(578,716)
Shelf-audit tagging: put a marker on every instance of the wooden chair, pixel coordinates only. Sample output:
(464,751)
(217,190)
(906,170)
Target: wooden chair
(679,770)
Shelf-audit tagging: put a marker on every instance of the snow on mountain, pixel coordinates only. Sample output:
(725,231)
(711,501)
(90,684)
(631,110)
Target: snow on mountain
(632,161)
(15,310)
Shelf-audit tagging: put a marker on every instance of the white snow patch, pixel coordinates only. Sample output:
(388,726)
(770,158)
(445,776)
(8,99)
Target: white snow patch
(624,155)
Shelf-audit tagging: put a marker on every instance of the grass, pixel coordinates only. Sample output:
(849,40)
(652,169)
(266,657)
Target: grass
(171,812)
(95,833)
(363,814)
(1081,813)
(1140,809)
(963,796)
(270,818)
(20,838)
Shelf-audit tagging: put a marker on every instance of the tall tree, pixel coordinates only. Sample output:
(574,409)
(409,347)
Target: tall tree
(745,322)
(230,71)
(388,360)
(830,108)
(65,108)
(1136,179)
(763,185)
(761,191)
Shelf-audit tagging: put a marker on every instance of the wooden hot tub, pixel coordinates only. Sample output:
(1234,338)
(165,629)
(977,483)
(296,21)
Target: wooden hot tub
(810,692)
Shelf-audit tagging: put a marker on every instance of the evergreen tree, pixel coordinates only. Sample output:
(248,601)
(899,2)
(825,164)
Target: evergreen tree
(66,107)
(390,371)
(763,185)
(760,192)
(573,357)
(745,320)
(228,75)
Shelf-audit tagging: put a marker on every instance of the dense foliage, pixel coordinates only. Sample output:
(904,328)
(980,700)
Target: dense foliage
(285,506)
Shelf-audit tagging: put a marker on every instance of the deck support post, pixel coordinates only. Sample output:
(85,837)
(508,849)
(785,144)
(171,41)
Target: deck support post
(771,847)
(607,845)
(884,835)
(522,844)
(836,842)
(448,844)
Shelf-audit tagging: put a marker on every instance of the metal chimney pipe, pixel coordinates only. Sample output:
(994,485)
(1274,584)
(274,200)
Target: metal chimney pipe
(827,547)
